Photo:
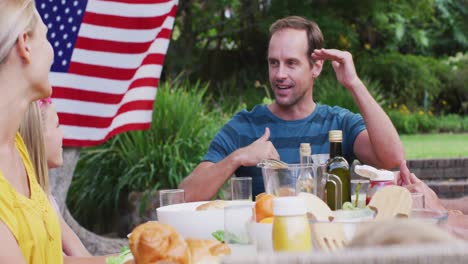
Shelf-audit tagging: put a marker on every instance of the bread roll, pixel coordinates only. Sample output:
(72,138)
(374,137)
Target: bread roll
(153,242)
(216,204)
(206,250)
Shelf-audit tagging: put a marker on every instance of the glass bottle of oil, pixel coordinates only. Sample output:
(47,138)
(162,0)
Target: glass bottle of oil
(338,166)
(305,181)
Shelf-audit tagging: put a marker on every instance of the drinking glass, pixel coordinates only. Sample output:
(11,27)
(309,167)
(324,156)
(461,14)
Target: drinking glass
(172,196)
(241,188)
(237,219)
(359,189)
(418,200)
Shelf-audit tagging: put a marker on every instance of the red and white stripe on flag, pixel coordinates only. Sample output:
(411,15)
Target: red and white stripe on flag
(108,59)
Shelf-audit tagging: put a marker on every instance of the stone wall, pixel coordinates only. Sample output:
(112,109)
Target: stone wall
(447,177)
(60,180)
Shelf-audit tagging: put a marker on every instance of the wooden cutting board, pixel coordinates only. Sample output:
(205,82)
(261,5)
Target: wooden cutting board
(390,202)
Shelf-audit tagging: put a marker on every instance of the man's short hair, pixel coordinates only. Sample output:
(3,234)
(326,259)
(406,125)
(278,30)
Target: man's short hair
(314,34)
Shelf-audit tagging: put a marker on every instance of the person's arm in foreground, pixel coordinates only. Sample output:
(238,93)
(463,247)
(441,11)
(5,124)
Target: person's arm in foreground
(71,244)
(208,177)
(9,249)
(84,260)
(379,145)
(457,223)
(460,204)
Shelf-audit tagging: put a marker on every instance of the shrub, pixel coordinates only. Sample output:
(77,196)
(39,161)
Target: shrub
(452,123)
(404,123)
(453,97)
(426,123)
(406,78)
(327,90)
(160,157)
(407,122)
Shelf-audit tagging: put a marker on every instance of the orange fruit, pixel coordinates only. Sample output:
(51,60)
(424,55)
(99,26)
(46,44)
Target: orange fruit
(260,195)
(264,207)
(267,220)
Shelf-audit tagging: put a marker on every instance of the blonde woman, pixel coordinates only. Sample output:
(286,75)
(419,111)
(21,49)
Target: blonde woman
(42,136)
(29,227)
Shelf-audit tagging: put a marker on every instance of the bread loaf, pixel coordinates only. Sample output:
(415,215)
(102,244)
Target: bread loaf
(156,243)
(153,242)
(216,204)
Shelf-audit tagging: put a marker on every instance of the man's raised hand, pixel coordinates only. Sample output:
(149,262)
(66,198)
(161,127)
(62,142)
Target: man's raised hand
(342,62)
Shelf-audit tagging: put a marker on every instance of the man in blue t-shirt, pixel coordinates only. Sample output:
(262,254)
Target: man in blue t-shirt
(275,131)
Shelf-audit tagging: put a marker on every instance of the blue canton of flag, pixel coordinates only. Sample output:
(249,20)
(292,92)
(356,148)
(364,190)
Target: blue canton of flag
(108,60)
(63,21)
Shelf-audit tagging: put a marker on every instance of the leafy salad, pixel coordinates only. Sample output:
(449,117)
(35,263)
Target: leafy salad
(125,255)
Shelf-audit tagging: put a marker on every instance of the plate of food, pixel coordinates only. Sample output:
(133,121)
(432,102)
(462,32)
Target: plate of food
(154,242)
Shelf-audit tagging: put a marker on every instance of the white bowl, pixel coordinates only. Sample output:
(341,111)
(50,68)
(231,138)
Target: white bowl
(191,223)
(429,216)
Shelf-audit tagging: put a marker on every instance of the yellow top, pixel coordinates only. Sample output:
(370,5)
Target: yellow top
(32,221)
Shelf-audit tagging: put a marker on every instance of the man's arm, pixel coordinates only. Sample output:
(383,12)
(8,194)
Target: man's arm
(379,145)
(457,223)
(203,183)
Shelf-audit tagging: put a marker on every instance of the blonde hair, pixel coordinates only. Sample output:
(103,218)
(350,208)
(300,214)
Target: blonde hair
(32,131)
(16,16)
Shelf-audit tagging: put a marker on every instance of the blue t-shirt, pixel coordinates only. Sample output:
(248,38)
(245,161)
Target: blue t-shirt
(286,135)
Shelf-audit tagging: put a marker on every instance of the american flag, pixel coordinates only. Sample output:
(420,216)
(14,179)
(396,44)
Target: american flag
(108,60)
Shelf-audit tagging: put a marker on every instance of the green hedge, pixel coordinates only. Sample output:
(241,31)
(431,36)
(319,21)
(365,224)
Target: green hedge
(406,78)
(412,123)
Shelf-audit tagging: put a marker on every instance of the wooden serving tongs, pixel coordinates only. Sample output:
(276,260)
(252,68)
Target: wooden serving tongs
(273,163)
(327,235)
(390,202)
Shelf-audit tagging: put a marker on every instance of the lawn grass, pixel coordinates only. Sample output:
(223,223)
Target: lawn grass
(424,146)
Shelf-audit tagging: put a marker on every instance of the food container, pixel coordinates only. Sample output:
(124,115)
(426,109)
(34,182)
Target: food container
(191,223)
(291,230)
(281,181)
(378,178)
(376,185)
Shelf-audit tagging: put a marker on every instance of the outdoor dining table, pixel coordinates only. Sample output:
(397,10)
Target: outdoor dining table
(456,252)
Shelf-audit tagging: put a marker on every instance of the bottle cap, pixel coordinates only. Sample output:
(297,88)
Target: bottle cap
(374,174)
(305,149)
(288,206)
(335,136)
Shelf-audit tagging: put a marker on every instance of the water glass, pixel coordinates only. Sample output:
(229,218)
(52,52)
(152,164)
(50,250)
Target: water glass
(418,200)
(237,219)
(241,188)
(359,189)
(172,196)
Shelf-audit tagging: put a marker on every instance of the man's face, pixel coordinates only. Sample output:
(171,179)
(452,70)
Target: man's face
(289,69)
